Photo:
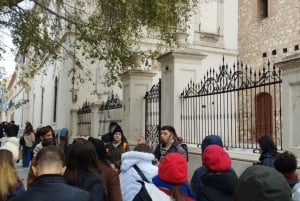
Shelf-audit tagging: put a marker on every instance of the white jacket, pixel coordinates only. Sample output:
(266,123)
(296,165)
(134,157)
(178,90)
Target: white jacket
(296,192)
(129,177)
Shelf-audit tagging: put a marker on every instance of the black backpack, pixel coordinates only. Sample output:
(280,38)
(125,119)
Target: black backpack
(185,147)
(143,194)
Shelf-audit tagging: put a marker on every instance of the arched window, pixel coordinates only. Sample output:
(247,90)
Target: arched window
(55,99)
(263,114)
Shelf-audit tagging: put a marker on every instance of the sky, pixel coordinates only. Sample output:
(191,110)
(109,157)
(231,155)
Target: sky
(8,61)
(8,58)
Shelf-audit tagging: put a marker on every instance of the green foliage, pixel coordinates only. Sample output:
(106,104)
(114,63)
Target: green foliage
(107,30)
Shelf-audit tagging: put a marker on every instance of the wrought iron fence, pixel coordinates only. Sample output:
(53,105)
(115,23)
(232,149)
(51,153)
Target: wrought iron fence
(84,119)
(111,110)
(238,104)
(153,114)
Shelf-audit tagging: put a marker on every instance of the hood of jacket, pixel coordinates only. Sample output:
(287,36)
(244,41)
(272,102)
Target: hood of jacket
(211,139)
(261,183)
(131,158)
(215,158)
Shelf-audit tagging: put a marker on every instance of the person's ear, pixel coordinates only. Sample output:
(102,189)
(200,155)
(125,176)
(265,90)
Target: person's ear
(62,170)
(35,170)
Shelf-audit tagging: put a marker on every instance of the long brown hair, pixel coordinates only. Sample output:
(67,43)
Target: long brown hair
(176,193)
(8,174)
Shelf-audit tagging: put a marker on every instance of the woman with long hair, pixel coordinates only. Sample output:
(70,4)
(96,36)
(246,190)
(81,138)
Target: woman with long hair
(82,169)
(27,147)
(109,175)
(172,177)
(268,151)
(10,183)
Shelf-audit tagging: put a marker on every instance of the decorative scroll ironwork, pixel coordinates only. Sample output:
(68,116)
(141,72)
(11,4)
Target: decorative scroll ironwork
(84,119)
(153,114)
(239,104)
(113,102)
(228,80)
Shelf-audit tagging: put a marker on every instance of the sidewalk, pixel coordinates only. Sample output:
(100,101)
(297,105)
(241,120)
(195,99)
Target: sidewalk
(22,172)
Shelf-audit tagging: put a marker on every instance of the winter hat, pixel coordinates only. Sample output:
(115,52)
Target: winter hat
(215,158)
(173,168)
(262,183)
(211,139)
(118,129)
(12,145)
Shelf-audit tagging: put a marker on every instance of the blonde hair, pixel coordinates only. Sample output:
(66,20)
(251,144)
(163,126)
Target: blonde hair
(8,174)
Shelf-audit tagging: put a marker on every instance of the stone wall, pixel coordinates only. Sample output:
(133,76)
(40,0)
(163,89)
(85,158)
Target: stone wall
(258,36)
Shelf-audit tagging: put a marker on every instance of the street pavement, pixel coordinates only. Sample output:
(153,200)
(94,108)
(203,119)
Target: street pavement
(22,172)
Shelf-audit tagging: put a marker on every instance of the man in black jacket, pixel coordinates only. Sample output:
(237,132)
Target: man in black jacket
(168,143)
(50,184)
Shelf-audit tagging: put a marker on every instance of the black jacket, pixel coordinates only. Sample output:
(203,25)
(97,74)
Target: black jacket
(217,186)
(52,187)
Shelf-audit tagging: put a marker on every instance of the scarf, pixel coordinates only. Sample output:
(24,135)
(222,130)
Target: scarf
(164,149)
(185,189)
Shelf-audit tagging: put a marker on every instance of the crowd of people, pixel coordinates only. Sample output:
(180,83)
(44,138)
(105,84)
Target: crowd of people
(92,169)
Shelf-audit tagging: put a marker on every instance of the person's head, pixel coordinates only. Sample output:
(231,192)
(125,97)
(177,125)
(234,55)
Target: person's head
(49,160)
(266,144)
(81,159)
(262,183)
(112,126)
(12,145)
(12,122)
(215,158)
(286,163)
(100,148)
(28,128)
(8,174)
(118,134)
(167,133)
(143,148)
(211,139)
(44,133)
(173,168)
(140,140)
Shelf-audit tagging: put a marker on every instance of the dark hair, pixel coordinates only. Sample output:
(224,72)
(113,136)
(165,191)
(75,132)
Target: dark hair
(143,148)
(112,124)
(100,148)
(28,128)
(176,193)
(49,142)
(285,162)
(43,131)
(267,145)
(82,159)
(171,129)
(49,155)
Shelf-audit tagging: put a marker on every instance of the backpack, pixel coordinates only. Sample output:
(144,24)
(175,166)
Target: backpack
(185,147)
(149,192)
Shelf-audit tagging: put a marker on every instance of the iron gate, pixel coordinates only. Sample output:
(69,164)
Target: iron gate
(153,114)
(84,119)
(238,104)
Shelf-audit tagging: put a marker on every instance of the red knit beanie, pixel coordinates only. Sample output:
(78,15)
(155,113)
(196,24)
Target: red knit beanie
(215,158)
(173,168)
